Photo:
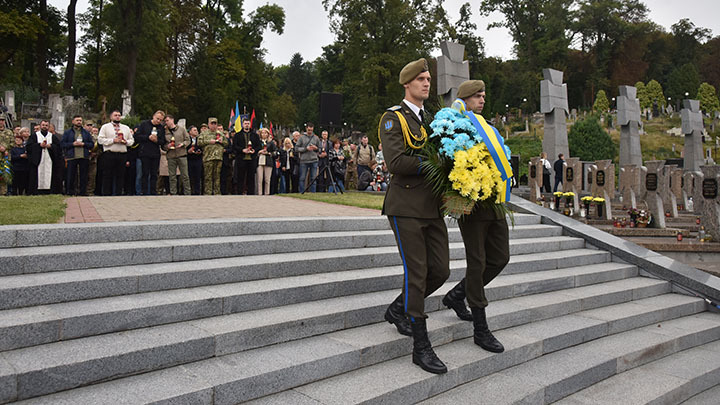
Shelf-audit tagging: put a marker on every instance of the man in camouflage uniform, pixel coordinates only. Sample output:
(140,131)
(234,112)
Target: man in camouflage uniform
(213,143)
(7,141)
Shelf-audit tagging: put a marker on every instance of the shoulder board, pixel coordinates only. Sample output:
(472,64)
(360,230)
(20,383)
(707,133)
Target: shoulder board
(394,108)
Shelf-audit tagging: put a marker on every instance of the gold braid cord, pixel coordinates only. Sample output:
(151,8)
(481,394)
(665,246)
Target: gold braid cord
(414,142)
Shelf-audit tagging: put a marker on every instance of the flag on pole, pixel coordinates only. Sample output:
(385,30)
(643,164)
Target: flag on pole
(238,117)
(232,118)
(271,128)
(252,118)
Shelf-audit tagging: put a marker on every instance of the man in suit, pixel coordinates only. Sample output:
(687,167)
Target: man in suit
(414,214)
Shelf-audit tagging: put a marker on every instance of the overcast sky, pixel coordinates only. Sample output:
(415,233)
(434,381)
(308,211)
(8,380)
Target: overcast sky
(307,31)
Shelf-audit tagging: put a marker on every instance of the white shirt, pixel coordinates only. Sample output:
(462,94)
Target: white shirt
(107,134)
(415,109)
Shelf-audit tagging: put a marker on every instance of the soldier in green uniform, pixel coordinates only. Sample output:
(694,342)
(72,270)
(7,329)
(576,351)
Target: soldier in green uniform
(414,214)
(7,141)
(213,142)
(487,245)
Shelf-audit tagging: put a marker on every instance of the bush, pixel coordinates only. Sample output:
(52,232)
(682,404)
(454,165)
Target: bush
(589,141)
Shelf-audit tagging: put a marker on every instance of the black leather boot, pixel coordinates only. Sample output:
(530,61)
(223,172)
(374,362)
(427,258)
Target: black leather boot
(423,354)
(455,300)
(483,337)
(395,314)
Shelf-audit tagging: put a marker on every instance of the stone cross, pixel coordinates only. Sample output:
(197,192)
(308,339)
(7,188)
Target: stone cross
(554,104)
(535,178)
(692,189)
(677,186)
(603,185)
(126,103)
(692,127)
(628,107)
(182,122)
(711,201)
(669,198)
(650,186)
(630,185)
(452,70)
(572,180)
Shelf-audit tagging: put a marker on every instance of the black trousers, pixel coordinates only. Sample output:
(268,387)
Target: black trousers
(113,173)
(245,174)
(423,246)
(73,167)
(195,168)
(546,182)
(487,250)
(149,178)
(20,182)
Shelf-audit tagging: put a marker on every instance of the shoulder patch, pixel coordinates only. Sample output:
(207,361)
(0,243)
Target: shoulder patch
(388,125)
(394,108)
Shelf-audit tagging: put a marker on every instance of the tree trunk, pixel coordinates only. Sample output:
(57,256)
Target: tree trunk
(97,54)
(41,50)
(70,69)
(132,49)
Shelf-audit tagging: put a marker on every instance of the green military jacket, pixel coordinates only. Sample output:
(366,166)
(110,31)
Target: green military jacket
(212,151)
(7,139)
(408,194)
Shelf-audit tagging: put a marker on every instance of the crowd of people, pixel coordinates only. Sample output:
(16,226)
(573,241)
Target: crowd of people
(160,157)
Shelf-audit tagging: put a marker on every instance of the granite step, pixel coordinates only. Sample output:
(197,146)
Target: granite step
(253,373)
(53,287)
(51,323)
(554,376)
(670,380)
(28,260)
(71,234)
(704,398)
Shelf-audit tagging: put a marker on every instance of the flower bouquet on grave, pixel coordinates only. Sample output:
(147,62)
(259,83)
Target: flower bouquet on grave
(644,219)
(6,173)
(459,167)
(599,202)
(569,197)
(558,196)
(587,200)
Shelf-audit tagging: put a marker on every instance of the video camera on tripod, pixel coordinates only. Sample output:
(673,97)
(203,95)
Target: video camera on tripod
(4,113)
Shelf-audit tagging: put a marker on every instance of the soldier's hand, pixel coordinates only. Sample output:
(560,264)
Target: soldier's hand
(212,142)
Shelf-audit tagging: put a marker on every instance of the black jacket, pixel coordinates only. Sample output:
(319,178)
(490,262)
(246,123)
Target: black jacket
(558,167)
(146,147)
(239,144)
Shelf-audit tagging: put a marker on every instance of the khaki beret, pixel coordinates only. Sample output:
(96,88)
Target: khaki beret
(412,69)
(211,120)
(470,87)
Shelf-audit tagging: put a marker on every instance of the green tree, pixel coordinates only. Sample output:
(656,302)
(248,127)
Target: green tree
(654,92)
(463,32)
(684,79)
(688,39)
(642,95)
(708,98)
(589,141)
(601,104)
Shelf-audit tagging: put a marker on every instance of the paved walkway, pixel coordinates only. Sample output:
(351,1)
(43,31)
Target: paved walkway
(154,208)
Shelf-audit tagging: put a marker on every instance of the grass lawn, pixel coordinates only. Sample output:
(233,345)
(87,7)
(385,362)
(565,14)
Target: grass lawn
(36,209)
(352,198)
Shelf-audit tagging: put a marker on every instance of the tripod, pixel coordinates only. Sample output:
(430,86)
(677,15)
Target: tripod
(332,180)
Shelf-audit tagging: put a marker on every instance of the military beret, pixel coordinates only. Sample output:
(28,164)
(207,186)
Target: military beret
(211,120)
(470,87)
(412,69)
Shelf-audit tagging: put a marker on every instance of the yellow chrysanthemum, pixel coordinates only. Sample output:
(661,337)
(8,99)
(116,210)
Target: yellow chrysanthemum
(474,174)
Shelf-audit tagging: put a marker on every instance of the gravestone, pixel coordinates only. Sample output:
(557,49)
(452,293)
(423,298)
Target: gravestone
(572,180)
(692,127)
(535,178)
(709,161)
(603,184)
(669,199)
(711,201)
(57,116)
(182,122)
(452,70)
(677,183)
(629,185)
(628,107)
(126,103)
(554,104)
(692,189)
(650,186)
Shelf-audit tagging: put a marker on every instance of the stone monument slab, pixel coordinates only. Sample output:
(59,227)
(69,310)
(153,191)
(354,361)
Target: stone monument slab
(677,186)
(630,185)
(692,127)
(554,104)
(692,190)
(535,178)
(650,185)
(126,103)
(711,200)
(572,180)
(669,198)
(603,184)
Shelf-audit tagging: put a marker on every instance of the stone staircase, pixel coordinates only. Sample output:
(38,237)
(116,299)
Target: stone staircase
(289,311)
